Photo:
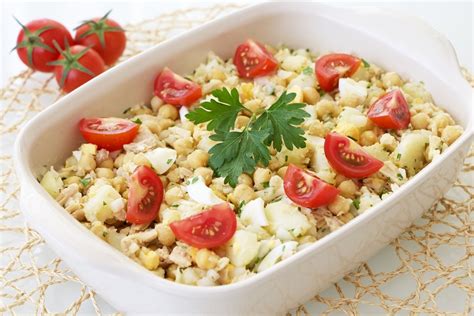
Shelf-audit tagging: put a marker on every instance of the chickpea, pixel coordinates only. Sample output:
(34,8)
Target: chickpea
(245,179)
(71,180)
(325,107)
(451,133)
(340,205)
(346,217)
(310,95)
(317,128)
(87,162)
(165,123)
(184,146)
(420,121)
(153,126)
(119,161)
(282,171)
(225,275)
(391,79)
(246,89)
(347,188)
(254,106)
(260,177)
(206,259)
(155,103)
(107,163)
(205,173)
(141,160)
(149,258)
(368,138)
(242,192)
(165,234)
(119,184)
(104,173)
(171,271)
(218,75)
(441,121)
(173,195)
(241,121)
(197,158)
(168,111)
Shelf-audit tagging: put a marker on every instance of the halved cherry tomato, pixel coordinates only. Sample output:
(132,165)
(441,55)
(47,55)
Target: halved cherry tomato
(306,189)
(329,68)
(209,229)
(176,90)
(347,158)
(108,133)
(144,196)
(253,60)
(390,111)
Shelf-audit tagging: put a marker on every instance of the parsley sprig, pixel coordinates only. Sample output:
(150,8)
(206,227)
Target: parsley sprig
(240,152)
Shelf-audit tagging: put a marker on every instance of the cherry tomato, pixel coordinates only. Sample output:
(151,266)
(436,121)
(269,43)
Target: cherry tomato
(108,133)
(144,197)
(209,229)
(176,90)
(104,35)
(306,189)
(35,43)
(253,60)
(329,68)
(77,65)
(347,158)
(390,111)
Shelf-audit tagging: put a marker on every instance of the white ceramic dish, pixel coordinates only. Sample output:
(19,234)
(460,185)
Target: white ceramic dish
(395,42)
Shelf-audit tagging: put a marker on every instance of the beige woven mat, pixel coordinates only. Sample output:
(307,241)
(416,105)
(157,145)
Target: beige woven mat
(428,269)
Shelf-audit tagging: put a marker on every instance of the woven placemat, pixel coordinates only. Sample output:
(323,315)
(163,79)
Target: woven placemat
(430,264)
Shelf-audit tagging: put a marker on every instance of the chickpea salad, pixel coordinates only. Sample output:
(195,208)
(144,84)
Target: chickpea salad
(246,161)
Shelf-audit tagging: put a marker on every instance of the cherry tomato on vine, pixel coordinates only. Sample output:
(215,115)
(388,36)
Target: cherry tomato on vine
(104,35)
(35,43)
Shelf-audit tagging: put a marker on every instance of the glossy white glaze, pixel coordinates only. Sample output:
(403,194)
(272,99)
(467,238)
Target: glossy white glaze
(395,42)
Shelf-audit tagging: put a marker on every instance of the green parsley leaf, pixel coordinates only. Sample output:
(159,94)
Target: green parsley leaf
(238,152)
(137,121)
(308,71)
(220,113)
(356,203)
(365,63)
(282,120)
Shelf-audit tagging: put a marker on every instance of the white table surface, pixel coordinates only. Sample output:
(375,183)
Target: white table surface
(453,19)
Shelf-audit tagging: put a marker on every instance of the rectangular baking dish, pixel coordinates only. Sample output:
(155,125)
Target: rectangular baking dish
(393,41)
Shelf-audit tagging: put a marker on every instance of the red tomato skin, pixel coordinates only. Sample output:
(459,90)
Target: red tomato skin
(335,145)
(111,140)
(176,90)
(327,76)
(183,229)
(142,177)
(263,62)
(396,117)
(319,193)
(115,42)
(91,60)
(41,56)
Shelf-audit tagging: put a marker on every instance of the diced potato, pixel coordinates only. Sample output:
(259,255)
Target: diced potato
(52,182)
(253,213)
(161,159)
(409,153)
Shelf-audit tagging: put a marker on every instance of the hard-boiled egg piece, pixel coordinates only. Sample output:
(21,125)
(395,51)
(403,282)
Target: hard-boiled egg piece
(182,113)
(350,88)
(242,248)
(199,192)
(276,254)
(161,159)
(98,207)
(253,213)
(409,153)
(286,216)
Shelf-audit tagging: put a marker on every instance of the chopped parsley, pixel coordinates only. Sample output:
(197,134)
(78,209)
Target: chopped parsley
(356,203)
(365,63)
(399,176)
(169,161)
(238,209)
(266,184)
(126,110)
(308,71)
(352,138)
(85,181)
(137,121)
(104,234)
(399,156)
